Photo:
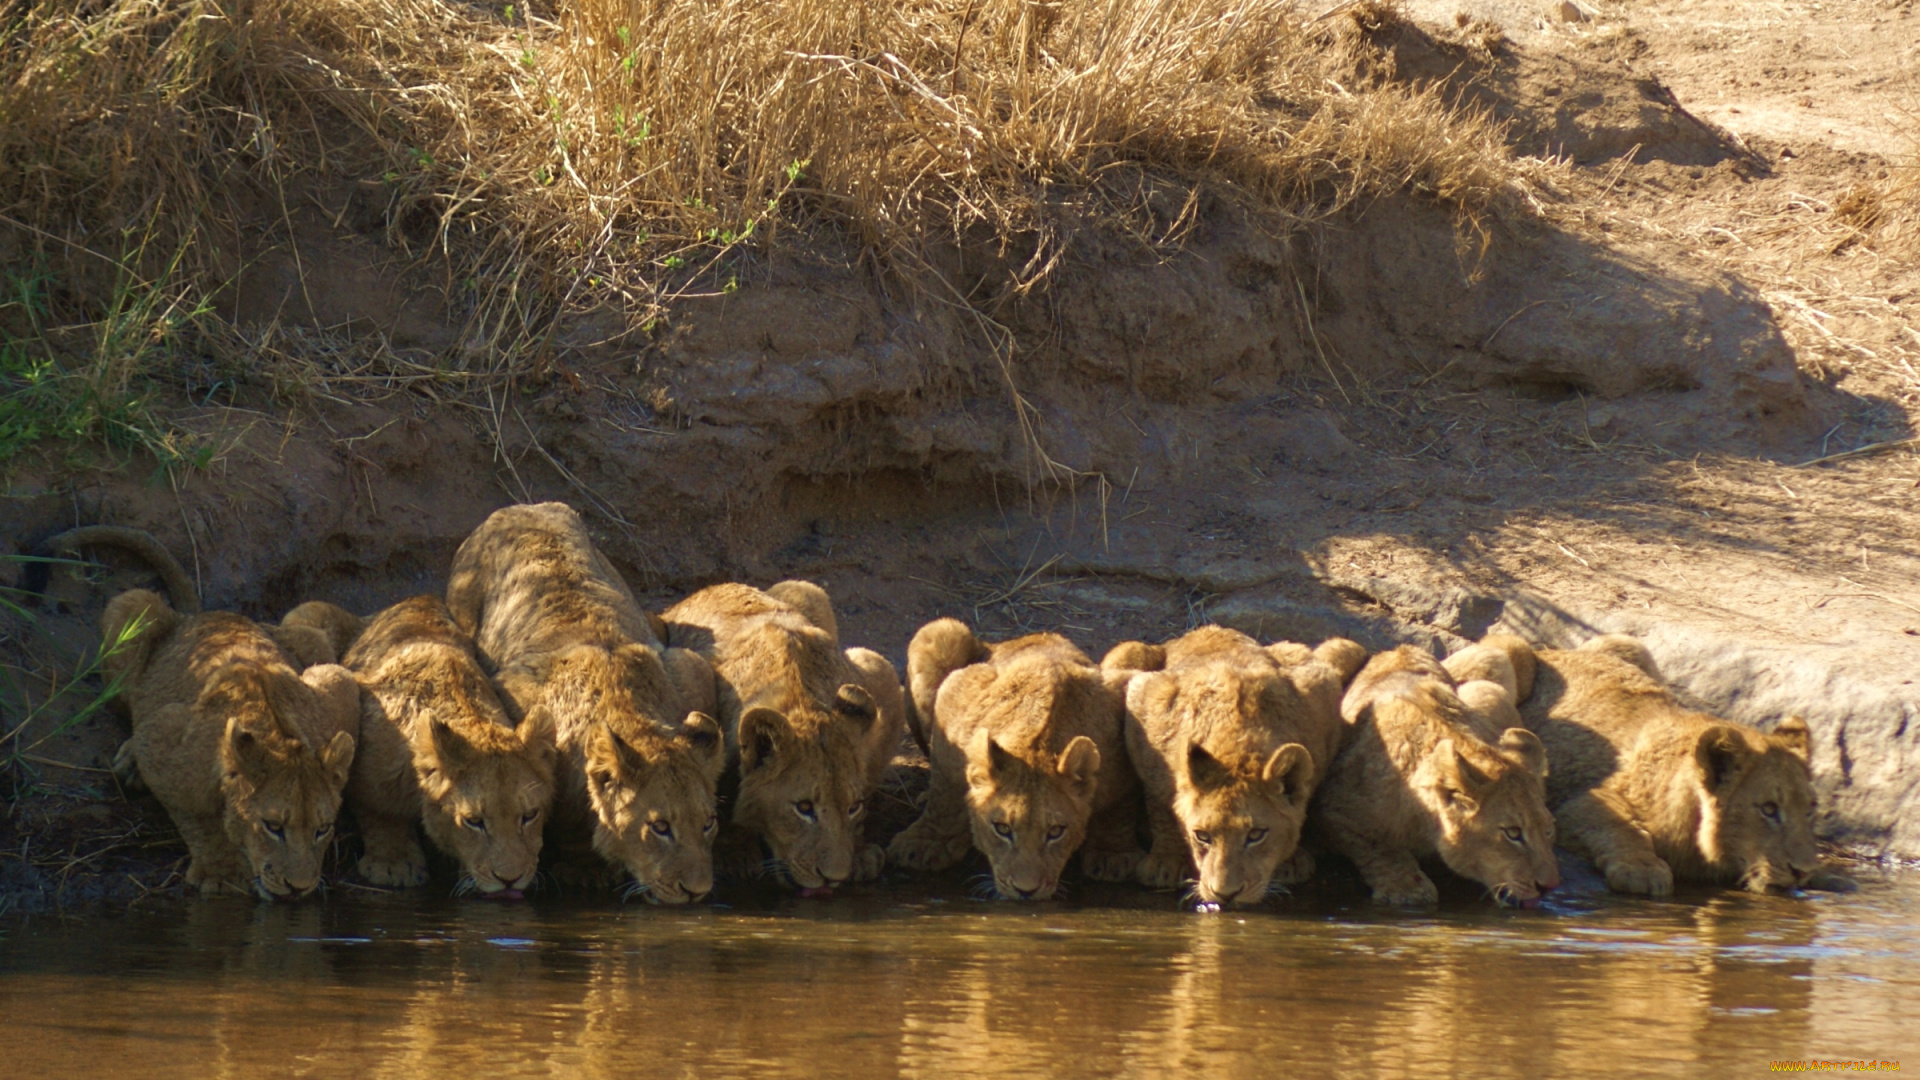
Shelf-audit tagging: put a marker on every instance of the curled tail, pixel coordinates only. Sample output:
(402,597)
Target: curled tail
(180,590)
(939,649)
(132,624)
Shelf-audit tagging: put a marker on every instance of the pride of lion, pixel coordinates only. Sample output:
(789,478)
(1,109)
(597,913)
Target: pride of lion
(538,725)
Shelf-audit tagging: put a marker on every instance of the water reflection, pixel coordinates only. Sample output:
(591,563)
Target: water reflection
(888,984)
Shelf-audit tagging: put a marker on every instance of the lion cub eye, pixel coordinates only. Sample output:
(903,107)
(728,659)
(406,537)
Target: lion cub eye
(1056,833)
(1771,811)
(478,825)
(713,821)
(321,832)
(1514,833)
(804,808)
(1255,836)
(1204,839)
(854,810)
(1003,830)
(661,827)
(274,830)
(529,817)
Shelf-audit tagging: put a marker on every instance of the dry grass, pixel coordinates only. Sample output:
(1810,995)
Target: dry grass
(621,153)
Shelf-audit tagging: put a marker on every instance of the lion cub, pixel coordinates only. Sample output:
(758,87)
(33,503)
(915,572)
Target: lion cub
(438,750)
(1230,741)
(638,755)
(1028,756)
(1651,792)
(247,754)
(1421,774)
(810,727)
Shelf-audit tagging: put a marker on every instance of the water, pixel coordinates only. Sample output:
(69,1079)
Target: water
(887,981)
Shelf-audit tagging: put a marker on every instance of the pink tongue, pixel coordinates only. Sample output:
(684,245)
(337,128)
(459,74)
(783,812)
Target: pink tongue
(503,894)
(824,890)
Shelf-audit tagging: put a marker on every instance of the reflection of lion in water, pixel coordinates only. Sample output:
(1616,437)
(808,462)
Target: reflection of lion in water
(247,754)
(1028,760)
(810,726)
(1652,792)
(1421,774)
(438,750)
(639,756)
(1230,740)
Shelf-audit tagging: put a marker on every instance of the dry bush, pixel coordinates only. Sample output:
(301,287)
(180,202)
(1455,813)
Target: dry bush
(611,152)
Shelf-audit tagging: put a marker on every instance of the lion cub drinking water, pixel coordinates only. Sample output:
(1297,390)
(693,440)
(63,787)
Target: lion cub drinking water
(247,753)
(1652,792)
(810,727)
(437,750)
(1230,740)
(1028,755)
(638,757)
(1420,774)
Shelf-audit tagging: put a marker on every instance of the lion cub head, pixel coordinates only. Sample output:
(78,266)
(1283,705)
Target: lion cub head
(485,790)
(279,794)
(1491,804)
(1029,810)
(1242,813)
(1756,821)
(803,783)
(651,781)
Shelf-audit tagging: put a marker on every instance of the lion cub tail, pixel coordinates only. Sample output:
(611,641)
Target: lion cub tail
(939,649)
(1497,658)
(130,627)
(180,590)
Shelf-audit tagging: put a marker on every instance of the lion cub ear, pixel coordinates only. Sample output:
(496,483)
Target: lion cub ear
(1722,756)
(852,702)
(762,731)
(1080,764)
(701,733)
(1526,748)
(609,761)
(988,762)
(242,754)
(536,729)
(1461,781)
(451,752)
(1291,768)
(1204,771)
(337,756)
(1792,733)
(1132,656)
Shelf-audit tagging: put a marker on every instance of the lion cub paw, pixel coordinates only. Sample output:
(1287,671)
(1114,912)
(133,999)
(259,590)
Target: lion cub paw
(1415,891)
(1161,870)
(868,862)
(214,878)
(126,769)
(1113,866)
(1646,876)
(402,871)
(917,849)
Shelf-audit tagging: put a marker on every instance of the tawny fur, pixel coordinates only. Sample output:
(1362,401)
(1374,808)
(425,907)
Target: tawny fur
(1027,745)
(1230,740)
(1499,658)
(438,751)
(810,727)
(1420,775)
(1652,792)
(247,754)
(639,751)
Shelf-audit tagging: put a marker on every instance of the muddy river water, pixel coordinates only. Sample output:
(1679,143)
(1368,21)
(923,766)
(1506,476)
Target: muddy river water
(890,981)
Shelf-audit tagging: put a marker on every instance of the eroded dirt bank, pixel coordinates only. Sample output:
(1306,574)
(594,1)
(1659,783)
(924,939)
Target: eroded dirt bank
(1376,427)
